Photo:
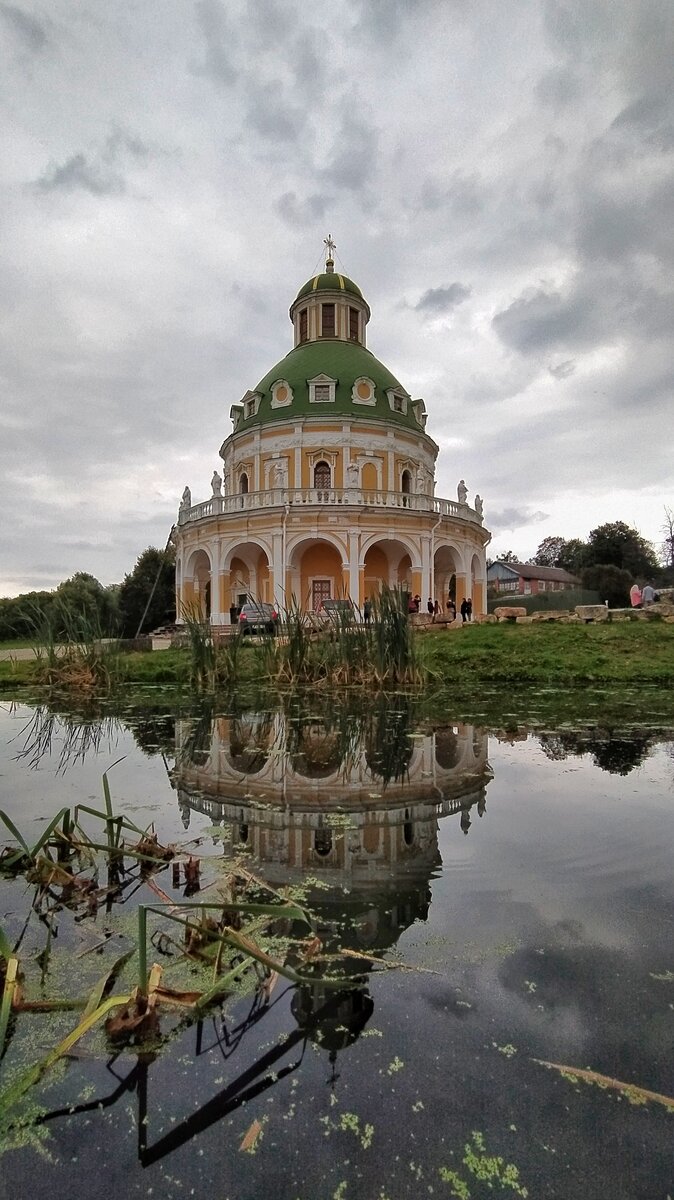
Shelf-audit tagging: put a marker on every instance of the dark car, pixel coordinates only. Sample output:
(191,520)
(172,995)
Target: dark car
(257,617)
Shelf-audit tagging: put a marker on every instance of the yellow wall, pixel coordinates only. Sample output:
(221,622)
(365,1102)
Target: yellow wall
(369,477)
(321,561)
(376,571)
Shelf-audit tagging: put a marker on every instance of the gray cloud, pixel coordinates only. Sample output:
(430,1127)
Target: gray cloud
(443,299)
(296,211)
(219,38)
(354,156)
(510,519)
(127,328)
(95,173)
(563,370)
(270,113)
(540,320)
(78,172)
(25,26)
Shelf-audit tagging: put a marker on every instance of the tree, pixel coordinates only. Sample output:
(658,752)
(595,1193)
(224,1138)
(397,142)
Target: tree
(154,569)
(667,548)
(616,544)
(84,599)
(549,551)
(508,556)
(611,583)
(573,555)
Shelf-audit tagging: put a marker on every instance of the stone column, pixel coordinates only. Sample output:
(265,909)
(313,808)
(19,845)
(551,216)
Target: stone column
(426,574)
(353,582)
(278,572)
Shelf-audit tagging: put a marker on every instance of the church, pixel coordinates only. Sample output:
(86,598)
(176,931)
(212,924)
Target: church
(327,483)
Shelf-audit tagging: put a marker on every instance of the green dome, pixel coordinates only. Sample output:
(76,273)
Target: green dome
(330,281)
(344,361)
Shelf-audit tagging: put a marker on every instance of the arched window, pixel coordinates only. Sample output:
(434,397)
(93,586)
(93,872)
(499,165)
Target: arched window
(406,483)
(322,476)
(408,829)
(243,483)
(323,842)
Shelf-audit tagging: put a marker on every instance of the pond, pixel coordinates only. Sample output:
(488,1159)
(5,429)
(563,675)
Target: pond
(501,904)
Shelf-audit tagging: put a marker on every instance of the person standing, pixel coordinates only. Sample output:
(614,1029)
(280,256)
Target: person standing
(436,609)
(451,609)
(635,595)
(429,607)
(464,610)
(469,608)
(367,612)
(648,595)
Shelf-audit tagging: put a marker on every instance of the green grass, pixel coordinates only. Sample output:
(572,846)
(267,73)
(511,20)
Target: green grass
(15,644)
(551,654)
(463,659)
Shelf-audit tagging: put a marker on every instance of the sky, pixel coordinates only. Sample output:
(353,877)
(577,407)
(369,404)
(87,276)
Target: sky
(497,179)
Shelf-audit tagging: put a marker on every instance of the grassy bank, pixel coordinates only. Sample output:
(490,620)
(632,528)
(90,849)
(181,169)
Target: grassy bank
(558,655)
(466,659)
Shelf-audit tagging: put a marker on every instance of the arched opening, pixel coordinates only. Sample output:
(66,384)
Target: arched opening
(249,577)
(316,573)
(323,842)
(243,483)
(477,585)
(408,829)
(197,590)
(387,562)
(406,486)
(446,567)
(322,479)
(447,749)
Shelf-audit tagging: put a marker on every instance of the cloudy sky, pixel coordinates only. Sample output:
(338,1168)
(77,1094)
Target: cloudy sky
(497,177)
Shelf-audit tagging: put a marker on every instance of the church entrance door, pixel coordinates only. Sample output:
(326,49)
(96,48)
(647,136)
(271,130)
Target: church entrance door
(320,591)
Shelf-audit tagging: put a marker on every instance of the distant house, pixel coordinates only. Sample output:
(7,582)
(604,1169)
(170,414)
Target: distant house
(526,579)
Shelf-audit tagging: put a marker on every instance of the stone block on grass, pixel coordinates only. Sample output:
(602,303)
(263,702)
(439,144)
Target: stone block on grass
(509,613)
(592,612)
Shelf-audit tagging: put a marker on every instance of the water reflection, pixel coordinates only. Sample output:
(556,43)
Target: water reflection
(356,804)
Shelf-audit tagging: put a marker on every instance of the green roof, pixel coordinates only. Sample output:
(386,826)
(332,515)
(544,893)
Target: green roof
(344,361)
(329,281)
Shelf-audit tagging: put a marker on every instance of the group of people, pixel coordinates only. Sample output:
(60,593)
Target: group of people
(642,597)
(434,610)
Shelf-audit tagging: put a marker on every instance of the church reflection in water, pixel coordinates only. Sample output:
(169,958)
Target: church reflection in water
(353,806)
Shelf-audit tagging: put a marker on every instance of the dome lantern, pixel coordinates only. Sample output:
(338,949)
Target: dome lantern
(329,305)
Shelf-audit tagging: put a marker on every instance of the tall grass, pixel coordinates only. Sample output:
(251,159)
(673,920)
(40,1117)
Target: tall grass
(72,652)
(346,650)
(213,664)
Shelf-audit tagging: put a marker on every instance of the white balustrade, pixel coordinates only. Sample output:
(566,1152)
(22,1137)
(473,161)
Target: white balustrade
(319,497)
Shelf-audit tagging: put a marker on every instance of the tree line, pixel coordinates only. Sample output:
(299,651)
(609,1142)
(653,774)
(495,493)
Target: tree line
(612,558)
(118,610)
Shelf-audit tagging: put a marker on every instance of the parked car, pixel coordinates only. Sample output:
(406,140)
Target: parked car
(337,612)
(257,617)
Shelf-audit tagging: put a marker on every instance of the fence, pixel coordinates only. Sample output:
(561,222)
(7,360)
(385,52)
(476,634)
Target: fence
(545,601)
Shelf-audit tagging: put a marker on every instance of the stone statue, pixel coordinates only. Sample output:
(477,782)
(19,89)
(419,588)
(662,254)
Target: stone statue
(352,475)
(421,481)
(462,492)
(281,474)
(216,484)
(186,501)
(479,505)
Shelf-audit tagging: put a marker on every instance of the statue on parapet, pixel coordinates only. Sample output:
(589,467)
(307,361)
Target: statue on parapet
(216,484)
(462,492)
(186,500)
(479,505)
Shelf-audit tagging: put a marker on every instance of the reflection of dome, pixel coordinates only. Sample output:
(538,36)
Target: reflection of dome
(335,1019)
